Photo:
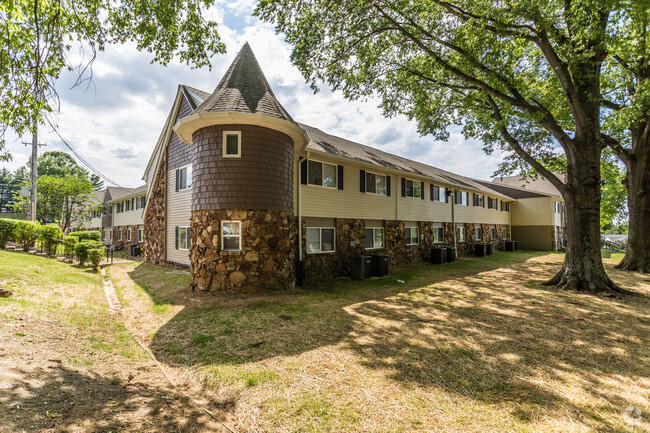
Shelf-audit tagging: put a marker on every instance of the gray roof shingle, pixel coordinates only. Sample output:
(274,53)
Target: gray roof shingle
(244,89)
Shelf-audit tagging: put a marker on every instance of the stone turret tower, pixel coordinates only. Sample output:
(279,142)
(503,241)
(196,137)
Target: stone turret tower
(243,228)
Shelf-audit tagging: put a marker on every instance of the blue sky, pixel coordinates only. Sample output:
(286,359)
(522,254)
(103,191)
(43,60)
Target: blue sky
(115,121)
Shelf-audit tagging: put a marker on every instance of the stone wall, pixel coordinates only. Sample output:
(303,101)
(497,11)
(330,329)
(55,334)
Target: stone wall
(154,219)
(124,243)
(266,260)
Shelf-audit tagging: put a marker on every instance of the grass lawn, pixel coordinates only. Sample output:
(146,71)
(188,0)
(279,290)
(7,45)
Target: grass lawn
(477,345)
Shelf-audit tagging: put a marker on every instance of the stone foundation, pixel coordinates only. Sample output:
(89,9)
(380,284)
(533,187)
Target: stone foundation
(124,243)
(266,260)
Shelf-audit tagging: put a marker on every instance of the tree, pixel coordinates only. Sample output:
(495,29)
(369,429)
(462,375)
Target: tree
(59,164)
(613,192)
(523,73)
(626,109)
(6,188)
(36,37)
(97,182)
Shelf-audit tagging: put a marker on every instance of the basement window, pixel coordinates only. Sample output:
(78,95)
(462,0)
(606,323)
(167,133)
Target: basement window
(183,238)
(438,234)
(374,238)
(493,233)
(232,144)
(231,235)
(320,240)
(128,235)
(478,232)
(460,234)
(139,235)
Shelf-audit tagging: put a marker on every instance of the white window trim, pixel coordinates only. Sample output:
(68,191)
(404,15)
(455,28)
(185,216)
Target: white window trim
(187,236)
(376,179)
(140,235)
(435,228)
(119,235)
(336,185)
(458,230)
(128,235)
(231,236)
(320,239)
(419,182)
(238,134)
(178,172)
(373,238)
(493,238)
(418,235)
(480,227)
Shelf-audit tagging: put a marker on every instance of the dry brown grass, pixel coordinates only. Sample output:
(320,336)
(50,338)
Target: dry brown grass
(475,346)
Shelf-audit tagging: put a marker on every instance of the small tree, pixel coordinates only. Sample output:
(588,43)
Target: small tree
(7,231)
(50,236)
(69,243)
(27,233)
(95,256)
(87,235)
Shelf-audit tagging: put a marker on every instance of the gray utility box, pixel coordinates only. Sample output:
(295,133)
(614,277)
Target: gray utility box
(480,249)
(512,246)
(489,249)
(380,265)
(451,254)
(438,256)
(360,267)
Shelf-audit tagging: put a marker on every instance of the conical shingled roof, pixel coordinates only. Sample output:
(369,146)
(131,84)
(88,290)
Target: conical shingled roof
(244,89)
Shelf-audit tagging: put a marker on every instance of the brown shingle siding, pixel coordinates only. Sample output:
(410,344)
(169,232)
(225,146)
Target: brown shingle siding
(179,153)
(261,179)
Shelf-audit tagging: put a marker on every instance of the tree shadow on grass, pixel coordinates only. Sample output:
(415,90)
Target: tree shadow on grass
(58,399)
(478,329)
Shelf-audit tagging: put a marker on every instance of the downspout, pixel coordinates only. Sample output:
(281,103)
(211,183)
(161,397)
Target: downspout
(300,258)
(453,218)
(510,220)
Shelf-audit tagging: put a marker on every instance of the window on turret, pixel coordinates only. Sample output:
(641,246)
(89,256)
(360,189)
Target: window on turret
(231,235)
(232,144)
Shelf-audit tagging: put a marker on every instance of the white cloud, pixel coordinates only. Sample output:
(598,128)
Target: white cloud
(115,123)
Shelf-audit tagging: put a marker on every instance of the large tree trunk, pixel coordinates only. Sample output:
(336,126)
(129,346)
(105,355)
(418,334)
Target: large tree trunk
(637,182)
(583,268)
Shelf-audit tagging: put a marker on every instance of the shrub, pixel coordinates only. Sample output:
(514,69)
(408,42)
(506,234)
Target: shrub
(69,243)
(50,236)
(95,256)
(87,235)
(27,233)
(7,231)
(82,248)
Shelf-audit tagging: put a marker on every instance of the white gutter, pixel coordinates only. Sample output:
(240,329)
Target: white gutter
(300,160)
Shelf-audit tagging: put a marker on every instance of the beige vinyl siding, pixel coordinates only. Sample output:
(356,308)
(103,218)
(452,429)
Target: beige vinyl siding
(127,218)
(537,211)
(95,223)
(318,201)
(179,210)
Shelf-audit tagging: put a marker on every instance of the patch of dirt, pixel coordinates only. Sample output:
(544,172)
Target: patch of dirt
(51,381)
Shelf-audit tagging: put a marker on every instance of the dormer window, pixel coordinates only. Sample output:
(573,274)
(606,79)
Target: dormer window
(232,144)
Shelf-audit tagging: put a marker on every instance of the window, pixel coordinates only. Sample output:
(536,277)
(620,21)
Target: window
(140,235)
(492,203)
(439,193)
(375,183)
(462,197)
(140,202)
(110,209)
(182,238)
(374,237)
(110,235)
(119,234)
(460,234)
(438,234)
(479,200)
(231,144)
(412,188)
(412,235)
(231,235)
(103,235)
(128,235)
(120,207)
(184,178)
(493,233)
(478,233)
(505,206)
(320,240)
(322,174)
(129,205)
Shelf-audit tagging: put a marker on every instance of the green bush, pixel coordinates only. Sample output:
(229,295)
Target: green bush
(82,248)
(95,256)
(87,235)
(69,243)
(27,233)
(50,236)
(7,231)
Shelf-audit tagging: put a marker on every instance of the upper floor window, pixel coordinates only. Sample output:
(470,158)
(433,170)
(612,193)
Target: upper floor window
(232,144)
(412,235)
(322,174)
(120,207)
(492,203)
(438,193)
(412,188)
(374,237)
(374,183)
(462,197)
(438,233)
(140,202)
(479,200)
(320,240)
(129,205)
(505,206)
(184,178)
(231,235)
